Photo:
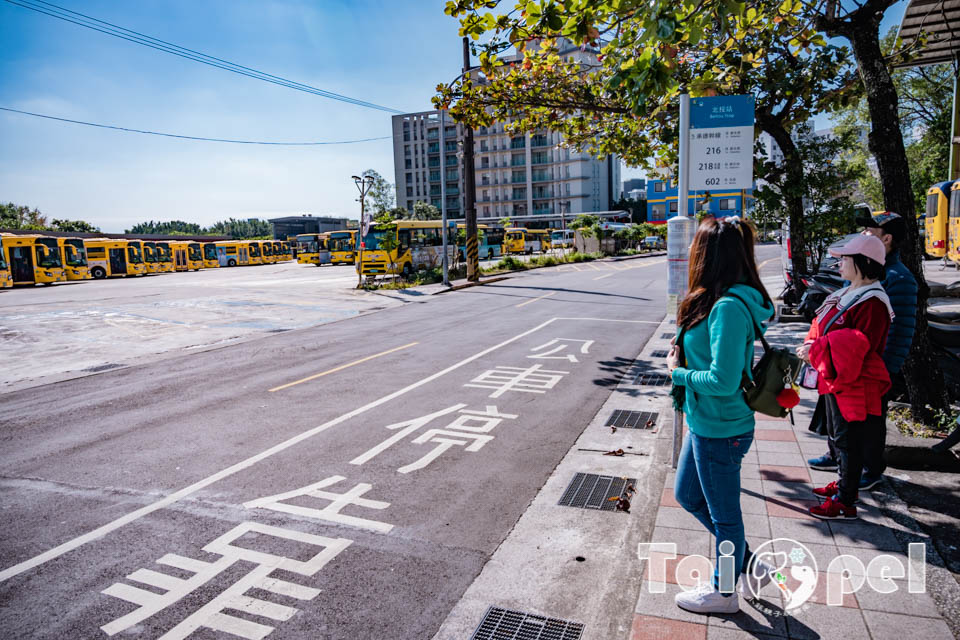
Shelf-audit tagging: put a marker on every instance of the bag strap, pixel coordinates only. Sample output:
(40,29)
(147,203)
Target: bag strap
(842,311)
(757,332)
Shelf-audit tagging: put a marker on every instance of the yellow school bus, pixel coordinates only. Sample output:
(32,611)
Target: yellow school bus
(74,255)
(164,257)
(342,247)
(287,250)
(953,224)
(935,222)
(520,240)
(254,255)
(33,259)
(210,259)
(187,256)
(308,246)
(416,245)
(150,256)
(278,253)
(108,257)
(6,280)
(232,253)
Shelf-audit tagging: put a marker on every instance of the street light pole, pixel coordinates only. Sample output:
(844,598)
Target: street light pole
(470,186)
(363,186)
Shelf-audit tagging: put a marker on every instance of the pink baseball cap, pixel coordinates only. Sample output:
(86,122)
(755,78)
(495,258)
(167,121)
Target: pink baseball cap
(869,246)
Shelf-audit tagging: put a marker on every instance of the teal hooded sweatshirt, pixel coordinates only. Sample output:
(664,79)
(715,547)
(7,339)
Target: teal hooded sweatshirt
(719,349)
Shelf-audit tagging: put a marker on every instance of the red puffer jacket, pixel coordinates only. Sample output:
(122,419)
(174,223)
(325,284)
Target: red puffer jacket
(848,359)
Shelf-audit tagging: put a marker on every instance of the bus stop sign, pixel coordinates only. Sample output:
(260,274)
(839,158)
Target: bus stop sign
(721,143)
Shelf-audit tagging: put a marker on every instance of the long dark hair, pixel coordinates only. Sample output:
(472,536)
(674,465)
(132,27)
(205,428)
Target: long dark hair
(721,256)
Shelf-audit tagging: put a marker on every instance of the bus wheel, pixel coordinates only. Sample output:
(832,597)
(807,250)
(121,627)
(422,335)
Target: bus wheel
(98,272)
(231,263)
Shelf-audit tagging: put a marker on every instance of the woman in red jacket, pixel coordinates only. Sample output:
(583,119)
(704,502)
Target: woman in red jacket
(845,345)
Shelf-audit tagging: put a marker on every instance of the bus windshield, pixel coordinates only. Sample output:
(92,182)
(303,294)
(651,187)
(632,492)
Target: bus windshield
(133,254)
(73,257)
(193,251)
(210,251)
(49,254)
(374,239)
(955,204)
(254,250)
(163,253)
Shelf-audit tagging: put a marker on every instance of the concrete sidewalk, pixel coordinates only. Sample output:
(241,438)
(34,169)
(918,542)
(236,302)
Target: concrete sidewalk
(775,496)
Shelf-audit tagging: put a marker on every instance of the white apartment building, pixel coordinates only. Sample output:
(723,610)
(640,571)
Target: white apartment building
(426,161)
(516,175)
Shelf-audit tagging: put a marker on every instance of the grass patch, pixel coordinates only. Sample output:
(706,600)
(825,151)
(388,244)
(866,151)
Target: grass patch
(943,423)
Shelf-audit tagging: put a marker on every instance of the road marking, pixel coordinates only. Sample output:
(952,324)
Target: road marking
(577,267)
(594,267)
(765,262)
(103,530)
(343,366)
(647,264)
(546,295)
(602,277)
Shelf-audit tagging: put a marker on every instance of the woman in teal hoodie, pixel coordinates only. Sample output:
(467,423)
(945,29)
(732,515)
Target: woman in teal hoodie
(717,321)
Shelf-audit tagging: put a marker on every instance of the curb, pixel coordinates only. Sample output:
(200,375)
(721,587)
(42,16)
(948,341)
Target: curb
(467,285)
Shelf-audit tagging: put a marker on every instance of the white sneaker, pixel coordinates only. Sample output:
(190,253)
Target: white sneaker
(705,600)
(756,578)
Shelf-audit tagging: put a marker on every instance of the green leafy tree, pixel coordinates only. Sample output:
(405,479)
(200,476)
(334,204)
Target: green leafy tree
(79,226)
(173,227)
(424,211)
(826,184)
(14,216)
(241,229)
(380,196)
(388,241)
(506,222)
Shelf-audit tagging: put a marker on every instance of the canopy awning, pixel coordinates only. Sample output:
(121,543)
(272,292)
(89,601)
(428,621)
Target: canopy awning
(940,20)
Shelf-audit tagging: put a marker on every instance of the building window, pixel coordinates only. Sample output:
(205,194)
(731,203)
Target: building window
(406,150)
(657,212)
(409,205)
(409,192)
(659,186)
(407,164)
(409,178)
(673,206)
(728,204)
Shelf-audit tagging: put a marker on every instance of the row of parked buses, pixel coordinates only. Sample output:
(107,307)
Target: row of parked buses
(405,246)
(30,259)
(333,247)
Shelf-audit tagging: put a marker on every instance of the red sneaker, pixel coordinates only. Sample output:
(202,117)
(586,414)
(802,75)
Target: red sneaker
(828,491)
(833,509)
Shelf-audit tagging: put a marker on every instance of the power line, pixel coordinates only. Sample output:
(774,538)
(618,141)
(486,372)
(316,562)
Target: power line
(74,17)
(203,139)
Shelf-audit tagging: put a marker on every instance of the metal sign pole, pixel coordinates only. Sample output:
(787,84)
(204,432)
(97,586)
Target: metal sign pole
(679,236)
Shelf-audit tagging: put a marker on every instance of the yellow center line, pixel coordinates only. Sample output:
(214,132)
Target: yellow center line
(765,262)
(546,295)
(602,277)
(343,366)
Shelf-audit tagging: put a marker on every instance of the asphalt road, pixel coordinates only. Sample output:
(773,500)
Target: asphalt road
(285,487)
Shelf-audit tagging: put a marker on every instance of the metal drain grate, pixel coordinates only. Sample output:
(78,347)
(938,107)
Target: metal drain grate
(666,336)
(504,624)
(632,419)
(649,379)
(659,353)
(590,491)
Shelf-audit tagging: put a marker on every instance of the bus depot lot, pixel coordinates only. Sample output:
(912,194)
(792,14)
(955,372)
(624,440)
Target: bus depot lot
(79,328)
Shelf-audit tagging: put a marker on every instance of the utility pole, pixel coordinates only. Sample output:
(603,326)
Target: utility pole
(443,198)
(469,184)
(363,186)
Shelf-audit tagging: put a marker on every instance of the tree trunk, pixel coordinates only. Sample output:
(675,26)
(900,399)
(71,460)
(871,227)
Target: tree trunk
(792,197)
(922,374)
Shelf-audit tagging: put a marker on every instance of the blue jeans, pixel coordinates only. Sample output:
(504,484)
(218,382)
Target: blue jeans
(708,486)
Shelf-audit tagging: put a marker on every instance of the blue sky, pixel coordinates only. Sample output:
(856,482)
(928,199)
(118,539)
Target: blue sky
(389,53)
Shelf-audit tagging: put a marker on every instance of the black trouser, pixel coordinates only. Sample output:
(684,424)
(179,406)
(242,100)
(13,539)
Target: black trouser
(874,463)
(849,441)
